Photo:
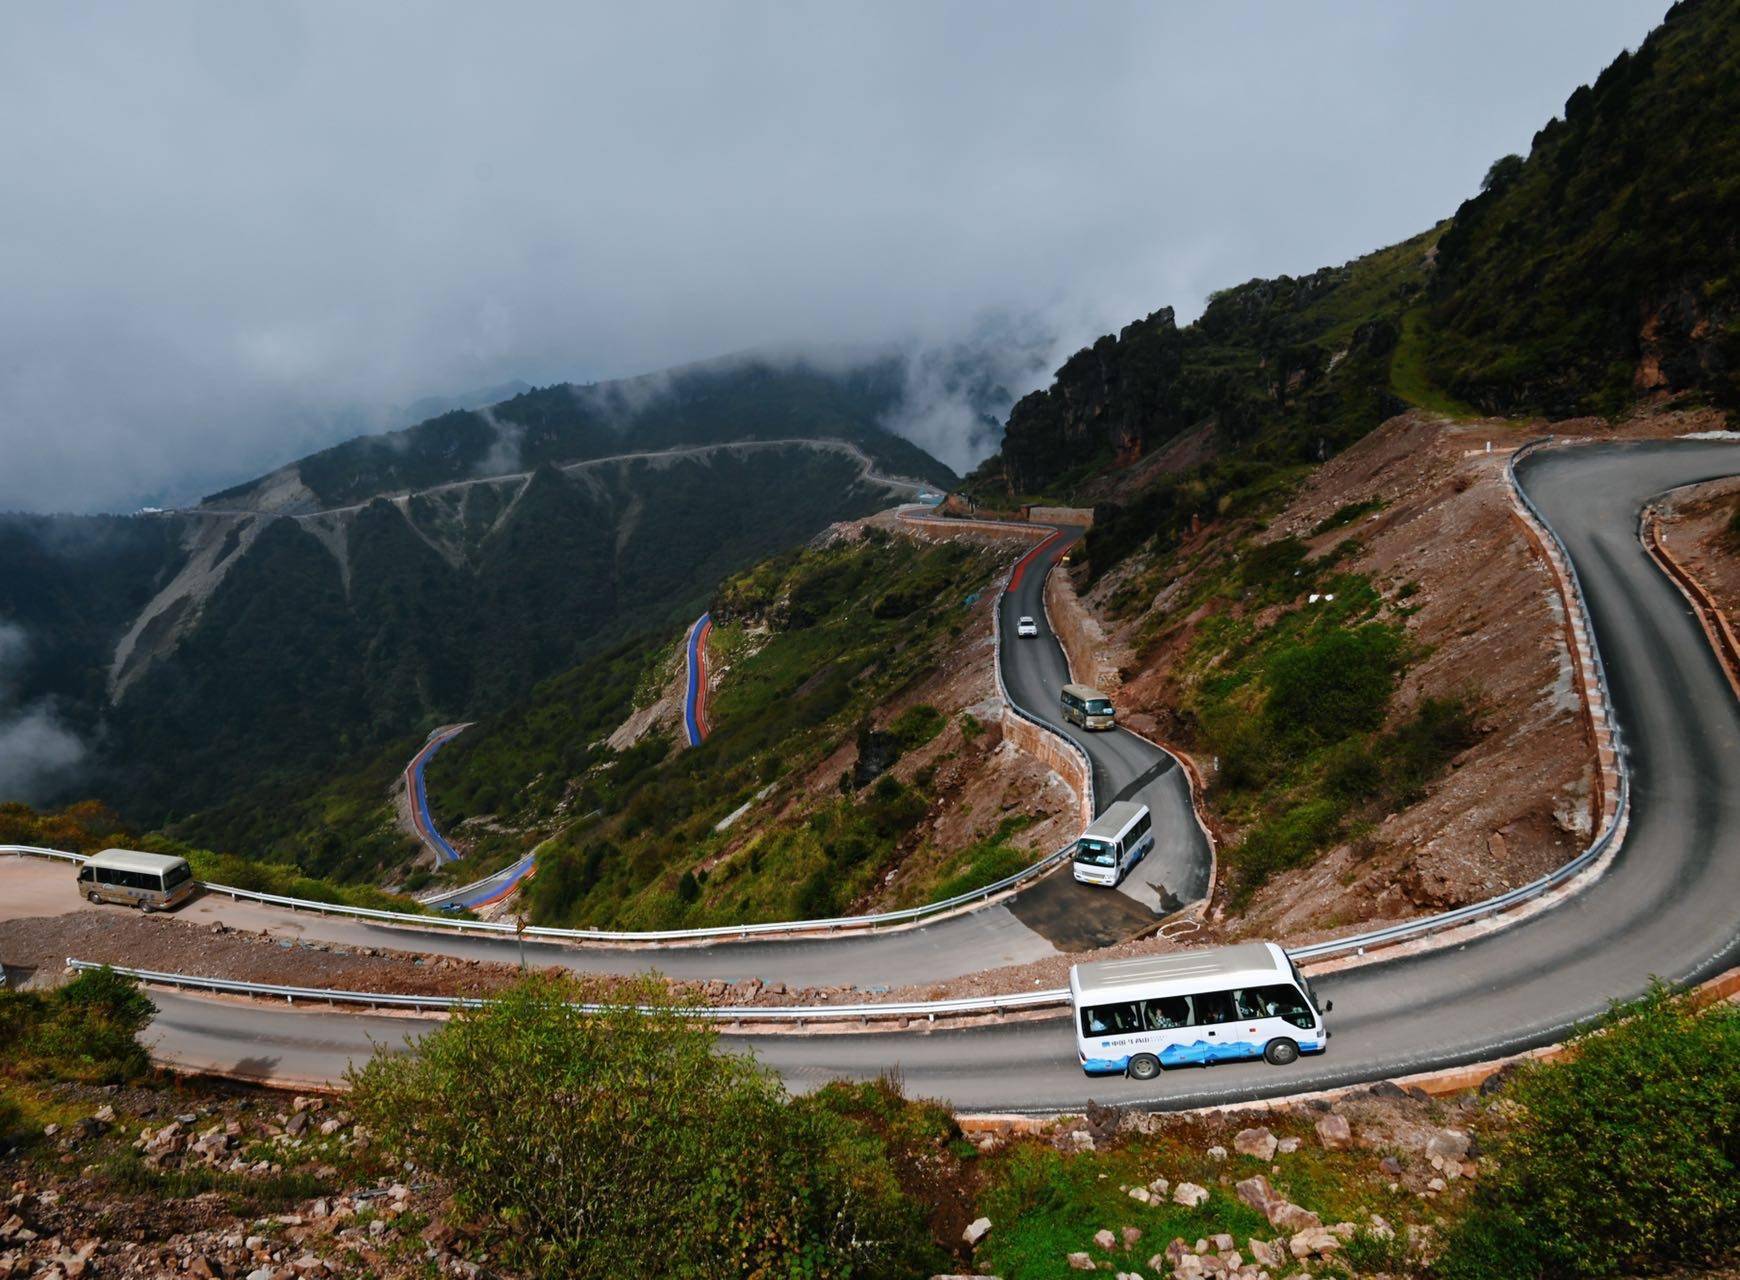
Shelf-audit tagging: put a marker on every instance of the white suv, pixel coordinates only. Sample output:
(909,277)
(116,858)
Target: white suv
(1026,627)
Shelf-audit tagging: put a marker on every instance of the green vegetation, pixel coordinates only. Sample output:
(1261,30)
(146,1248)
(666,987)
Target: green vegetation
(980,863)
(1295,710)
(622,1143)
(1346,515)
(300,672)
(1280,372)
(1613,239)
(1625,1158)
(86,1030)
(816,640)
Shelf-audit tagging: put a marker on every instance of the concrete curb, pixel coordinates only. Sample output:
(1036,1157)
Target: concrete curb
(1710,616)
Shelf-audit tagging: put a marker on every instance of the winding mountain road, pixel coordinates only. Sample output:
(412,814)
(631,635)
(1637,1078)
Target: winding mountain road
(1668,906)
(1052,915)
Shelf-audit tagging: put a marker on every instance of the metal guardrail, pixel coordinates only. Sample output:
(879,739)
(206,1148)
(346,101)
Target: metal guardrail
(1320,950)
(798,1014)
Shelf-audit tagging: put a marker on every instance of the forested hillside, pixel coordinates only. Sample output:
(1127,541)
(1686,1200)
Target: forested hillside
(1596,270)
(314,648)
(1601,266)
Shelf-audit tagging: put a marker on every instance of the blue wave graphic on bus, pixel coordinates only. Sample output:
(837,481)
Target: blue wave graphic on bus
(1184,1055)
(1193,1054)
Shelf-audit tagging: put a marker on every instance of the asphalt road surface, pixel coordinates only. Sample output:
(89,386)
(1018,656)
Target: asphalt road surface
(1668,907)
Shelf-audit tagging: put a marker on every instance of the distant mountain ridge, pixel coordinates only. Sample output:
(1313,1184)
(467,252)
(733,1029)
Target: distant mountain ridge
(735,398)
(382,585)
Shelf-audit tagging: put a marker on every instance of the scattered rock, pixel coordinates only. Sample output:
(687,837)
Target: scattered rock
(1449,1146)
(1105,1239)
(1287,1146)
(1257,1193)
(1141,1195)
(976,1231)
(1189,1195)
(1080,1262)
(1256,1142)
(1217,1153)
(1316,1242)
(1334,1132)
(1286,1216)
(1269,1253)
(1132,1236)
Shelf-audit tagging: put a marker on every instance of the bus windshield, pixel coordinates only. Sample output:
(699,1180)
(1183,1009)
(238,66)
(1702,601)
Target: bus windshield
(1096,853)
(1098,706)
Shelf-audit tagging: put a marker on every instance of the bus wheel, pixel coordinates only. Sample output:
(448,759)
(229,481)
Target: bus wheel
(1144,1066)
(95,897)
(1281,1052)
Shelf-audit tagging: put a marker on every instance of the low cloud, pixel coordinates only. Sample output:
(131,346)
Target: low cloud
(336,209)
(38,752)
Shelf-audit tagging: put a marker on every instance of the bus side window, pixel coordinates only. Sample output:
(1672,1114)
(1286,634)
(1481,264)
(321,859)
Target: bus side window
(87,874)
(1249,1004)
(1167,1013)
(1111,1019)
(1283,1000)
(1213,1007)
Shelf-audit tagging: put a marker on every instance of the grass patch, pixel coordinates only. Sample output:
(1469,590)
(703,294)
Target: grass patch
(1409,378)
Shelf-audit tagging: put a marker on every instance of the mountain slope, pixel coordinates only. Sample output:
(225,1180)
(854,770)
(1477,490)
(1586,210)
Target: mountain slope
(338,632)
(1602,265)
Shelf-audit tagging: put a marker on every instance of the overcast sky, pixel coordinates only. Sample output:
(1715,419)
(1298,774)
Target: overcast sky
(223,226)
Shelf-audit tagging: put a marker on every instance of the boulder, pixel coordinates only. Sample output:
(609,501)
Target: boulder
(976,1231)
(1080,1262)
(1189,1195)
(1259,1143)
(1105,1239)
(1221,1243)
(1141,1195)
(1447,1145)
(1334,1132)
(1159,1187)
(1131,1236)
(1217,1153)
(1315,1242)
(1286,1216)
(1287,1146)
(1257,1193)
(1269,1253)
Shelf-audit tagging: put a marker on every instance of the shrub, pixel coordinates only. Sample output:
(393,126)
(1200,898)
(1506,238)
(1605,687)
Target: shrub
(1286,840)
(87,1030)
(1625,1157)
(621,1143)
(917,725)
(1321,690)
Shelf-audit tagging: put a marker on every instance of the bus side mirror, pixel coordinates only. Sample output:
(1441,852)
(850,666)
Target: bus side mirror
(1329,1006)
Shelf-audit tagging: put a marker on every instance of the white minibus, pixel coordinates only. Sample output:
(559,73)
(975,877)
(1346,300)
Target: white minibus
(149,881)
(1113,843)
(1192,1008)
(1087,707)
